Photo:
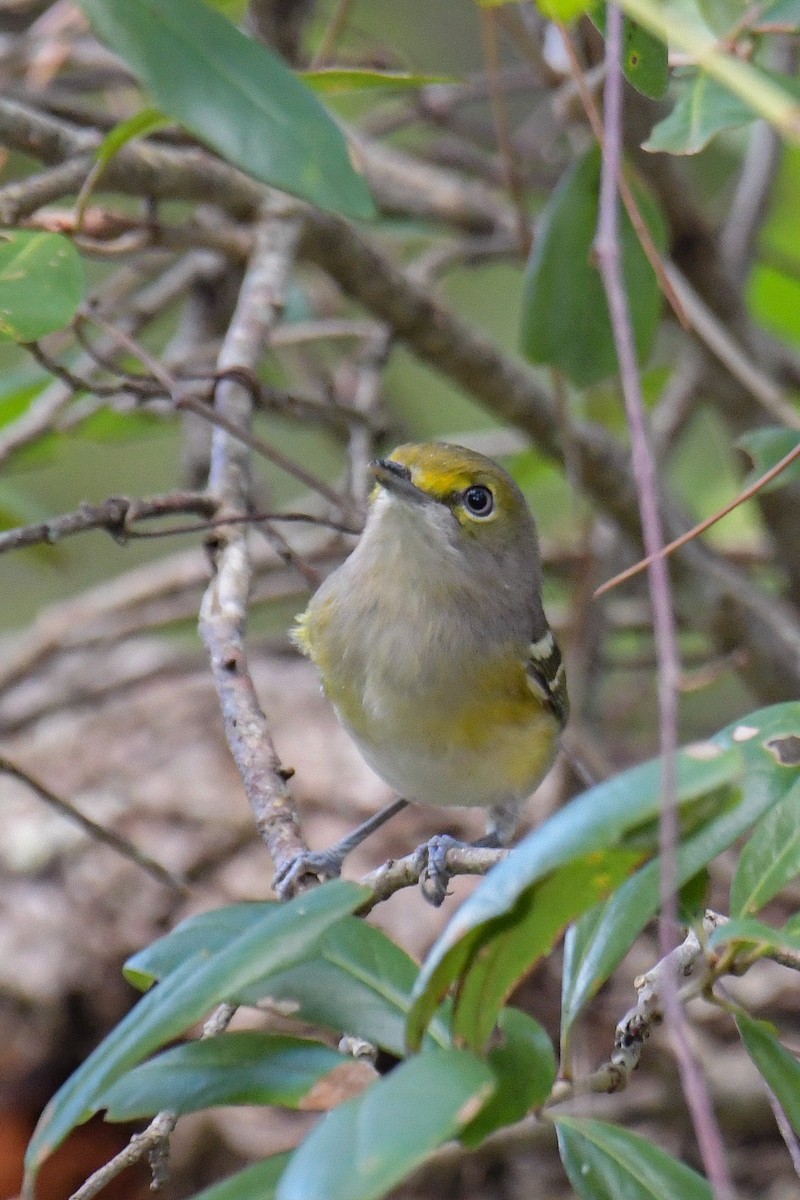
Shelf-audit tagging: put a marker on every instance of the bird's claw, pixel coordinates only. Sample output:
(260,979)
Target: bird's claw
(322,863)
(435,875)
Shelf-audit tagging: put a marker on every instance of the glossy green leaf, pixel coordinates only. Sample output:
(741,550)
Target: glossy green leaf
(605,1162)
(234,1068)
(744,757)
(771,858)
(601,939)
(644,56)
(683,28)
(780,1068)
(41,284)
(565,319)
(235,95)
(282,936)
(523,1063)
(594,822)
(333,80)
(259,1182)
(644,60)
(206,933)
(705,109)
(358,981)
(766,448)
(517,940)
(755,937)
(363,1148)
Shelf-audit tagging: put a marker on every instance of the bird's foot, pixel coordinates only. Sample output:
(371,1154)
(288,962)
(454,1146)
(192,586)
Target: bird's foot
(435,875)
(325,864)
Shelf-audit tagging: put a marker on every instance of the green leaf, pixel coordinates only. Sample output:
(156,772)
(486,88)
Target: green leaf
(780,1068)
(565,319)
(358,981)
(236,95)
(683,28)
(527,933)
(234,1068)
(557,10)
(771,858)
(41,284)
(603,936)
(206,933)
(147,120)
(705,109)
(337,79)
(766,448)
(363,1148)
(644,57)
(524,1068)
(280,937)
(755,937)
(604,1162)
(259,1182)
(594,822)
(744,756)
(644,60)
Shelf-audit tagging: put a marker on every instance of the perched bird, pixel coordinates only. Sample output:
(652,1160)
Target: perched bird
(433,646)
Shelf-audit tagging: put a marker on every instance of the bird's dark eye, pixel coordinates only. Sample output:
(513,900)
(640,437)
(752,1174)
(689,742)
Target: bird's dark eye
(479,501)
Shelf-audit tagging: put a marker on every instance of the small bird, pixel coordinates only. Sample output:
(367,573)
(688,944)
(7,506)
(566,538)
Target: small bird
(434,649)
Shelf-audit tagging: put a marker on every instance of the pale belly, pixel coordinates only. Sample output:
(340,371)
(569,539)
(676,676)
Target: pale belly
(497,766)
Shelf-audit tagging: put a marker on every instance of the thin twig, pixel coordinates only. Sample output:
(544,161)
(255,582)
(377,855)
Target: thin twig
(223,613)
(95,831)
(607,249)
(116,514)
(702,526)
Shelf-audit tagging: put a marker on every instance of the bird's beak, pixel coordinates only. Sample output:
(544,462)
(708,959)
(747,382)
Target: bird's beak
(396,479)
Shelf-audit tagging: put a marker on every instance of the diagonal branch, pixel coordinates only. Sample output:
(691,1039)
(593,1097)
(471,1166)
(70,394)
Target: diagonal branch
(223,613)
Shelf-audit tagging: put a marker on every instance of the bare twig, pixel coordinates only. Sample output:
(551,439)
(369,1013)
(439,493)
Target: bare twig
(704,525)
(607,249)
(223,613)
(95,831)
(116,514)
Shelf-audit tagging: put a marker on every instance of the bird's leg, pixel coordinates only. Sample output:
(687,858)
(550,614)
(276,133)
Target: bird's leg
(436,875)
(328,863)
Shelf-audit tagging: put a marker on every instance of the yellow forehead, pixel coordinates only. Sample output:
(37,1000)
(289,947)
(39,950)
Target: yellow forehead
(443,470)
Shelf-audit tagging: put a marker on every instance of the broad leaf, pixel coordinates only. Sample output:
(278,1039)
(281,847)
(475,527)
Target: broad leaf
(604,1162)
(234,1068)
(41,284)
(766,448)
(357,981)
(565,318)
(780,1069)
(594,822)
(705,109)
(527,933)
(363,1148)
(744,758)
(682,27)
(600,940)
(771,858)
(644,57)
(259,1182)
(524,1067)
(756,938)
(279,938)
(236,95)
